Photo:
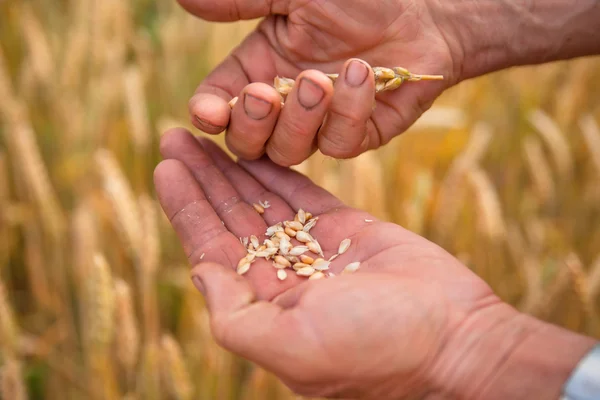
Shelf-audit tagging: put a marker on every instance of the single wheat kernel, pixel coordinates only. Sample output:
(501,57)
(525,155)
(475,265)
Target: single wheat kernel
(243,260)
(344,246)
(307,259)
(315,247)
(306,271)
(269,243)
(316,275)
(295,225)
(281,274)
(298,266)
(301,216)
(279,266)
(298,250)
(259,209)
(290,232)
(281,260)
(254,241)
(321,265)
(352,267)
(263,254)
(233,102)
(310,224)
(304,237)
(281,235)
(243,269)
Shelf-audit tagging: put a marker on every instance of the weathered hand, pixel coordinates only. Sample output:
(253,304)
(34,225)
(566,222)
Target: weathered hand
(382,332)
(313,36)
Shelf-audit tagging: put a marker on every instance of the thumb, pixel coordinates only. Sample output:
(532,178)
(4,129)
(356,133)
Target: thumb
(234,10)
(239,323)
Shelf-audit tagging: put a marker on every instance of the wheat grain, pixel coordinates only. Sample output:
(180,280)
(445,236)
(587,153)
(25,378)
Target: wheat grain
(304,271)
(352,267)
(100,304)
(281,274)
(344,245)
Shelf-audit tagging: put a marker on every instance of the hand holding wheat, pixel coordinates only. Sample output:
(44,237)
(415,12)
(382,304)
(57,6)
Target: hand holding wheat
(329,107)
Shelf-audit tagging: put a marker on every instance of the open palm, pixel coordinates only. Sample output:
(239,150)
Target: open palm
(297,36)
(408,291)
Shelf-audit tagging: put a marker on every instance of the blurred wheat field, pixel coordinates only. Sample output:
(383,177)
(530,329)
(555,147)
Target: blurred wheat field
(95,297)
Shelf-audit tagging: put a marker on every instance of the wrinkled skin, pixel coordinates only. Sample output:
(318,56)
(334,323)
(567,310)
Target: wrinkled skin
(379,333)
(305,37)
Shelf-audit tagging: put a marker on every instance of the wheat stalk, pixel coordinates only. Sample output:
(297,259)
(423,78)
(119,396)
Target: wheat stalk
(489,208)
(386,79)
(99,313)
(137,111)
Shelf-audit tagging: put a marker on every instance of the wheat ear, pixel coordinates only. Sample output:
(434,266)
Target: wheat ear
(385,79)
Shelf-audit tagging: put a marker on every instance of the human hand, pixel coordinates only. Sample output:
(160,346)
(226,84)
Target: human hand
(412,322)
(378,333)
(316,36)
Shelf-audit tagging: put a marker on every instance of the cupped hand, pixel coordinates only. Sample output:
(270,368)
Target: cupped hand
(304,40)
(378,333)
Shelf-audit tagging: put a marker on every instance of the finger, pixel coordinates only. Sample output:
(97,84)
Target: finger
(296,189)
(249,188)
(256,330)
(199,228)
(293,140)
(209,107)
(239,217)
(252,120)
(234,10)
(344,133)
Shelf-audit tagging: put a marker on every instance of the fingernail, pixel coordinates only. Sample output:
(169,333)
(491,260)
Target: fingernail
(198,284)
(356,73)
(309,93)
(207,124)
(255,107)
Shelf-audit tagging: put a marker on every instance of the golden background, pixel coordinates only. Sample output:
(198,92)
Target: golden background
(95,296)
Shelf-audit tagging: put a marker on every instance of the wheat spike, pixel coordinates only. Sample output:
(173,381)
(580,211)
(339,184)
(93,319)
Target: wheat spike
(556,142)
(9,333)
(489,208)
(386,79)
(451,193)
(174,369)
(127,337)
(100,305)
(122,200)
(538,168)
(594,280)
(11,381)
(579,281)
(591,134)
(137,114)
(37,43)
